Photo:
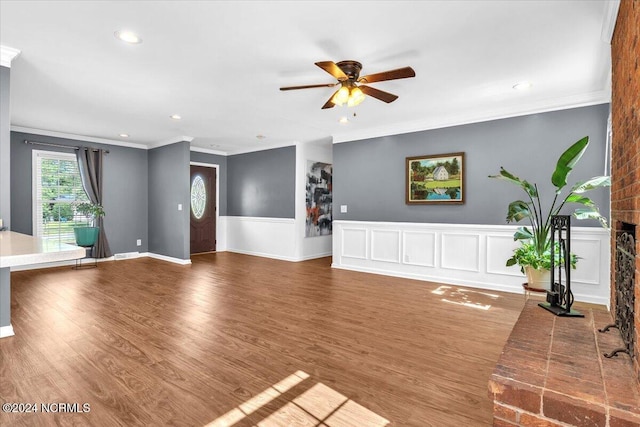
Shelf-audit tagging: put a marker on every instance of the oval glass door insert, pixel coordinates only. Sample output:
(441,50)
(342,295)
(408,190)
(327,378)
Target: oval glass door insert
(198,197)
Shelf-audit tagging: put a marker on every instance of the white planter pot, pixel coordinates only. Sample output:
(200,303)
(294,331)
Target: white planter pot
(538,278)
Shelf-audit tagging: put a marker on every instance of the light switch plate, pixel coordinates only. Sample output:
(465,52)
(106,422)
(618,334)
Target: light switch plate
(179,206)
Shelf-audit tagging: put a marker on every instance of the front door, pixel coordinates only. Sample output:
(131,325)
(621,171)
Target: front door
(203,209)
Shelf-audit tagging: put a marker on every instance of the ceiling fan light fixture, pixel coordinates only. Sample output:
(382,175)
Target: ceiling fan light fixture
(355,97)
(347,74)
(341,96)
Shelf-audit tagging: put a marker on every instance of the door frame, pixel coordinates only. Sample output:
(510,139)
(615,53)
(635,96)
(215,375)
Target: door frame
(217,168)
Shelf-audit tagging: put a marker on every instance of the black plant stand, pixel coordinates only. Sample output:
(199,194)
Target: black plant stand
(88,252)
(560,297)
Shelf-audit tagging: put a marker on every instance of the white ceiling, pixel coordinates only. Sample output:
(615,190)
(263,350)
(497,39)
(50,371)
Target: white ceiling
(219,64)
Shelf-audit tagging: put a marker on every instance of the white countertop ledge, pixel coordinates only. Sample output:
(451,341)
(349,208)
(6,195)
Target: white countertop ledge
(21,249)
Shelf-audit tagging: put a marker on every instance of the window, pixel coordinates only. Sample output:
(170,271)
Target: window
(56,186)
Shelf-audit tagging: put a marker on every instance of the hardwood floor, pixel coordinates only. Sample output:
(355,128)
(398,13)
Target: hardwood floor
(247,341)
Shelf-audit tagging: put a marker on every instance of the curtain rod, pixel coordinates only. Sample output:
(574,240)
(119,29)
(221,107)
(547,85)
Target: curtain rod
(58,145)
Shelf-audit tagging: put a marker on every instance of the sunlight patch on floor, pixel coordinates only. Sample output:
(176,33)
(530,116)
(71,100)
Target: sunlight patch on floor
(319,406)
(466,297)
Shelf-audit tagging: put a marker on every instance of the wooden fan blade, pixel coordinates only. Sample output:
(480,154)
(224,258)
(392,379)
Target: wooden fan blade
(329,103)
(400,73)
(308,86)
(331,68)
(378,94)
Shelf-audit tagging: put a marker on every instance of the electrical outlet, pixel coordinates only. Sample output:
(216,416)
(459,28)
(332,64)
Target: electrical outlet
(343,208)
(139,242)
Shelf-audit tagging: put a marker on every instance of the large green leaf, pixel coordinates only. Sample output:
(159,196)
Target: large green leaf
(590,214)
(567,161)
(590,184)
(522,233)
(577,198)
(517,211)
(507,176)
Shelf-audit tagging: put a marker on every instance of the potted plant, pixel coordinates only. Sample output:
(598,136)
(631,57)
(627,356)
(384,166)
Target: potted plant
(534,255)
(87,236)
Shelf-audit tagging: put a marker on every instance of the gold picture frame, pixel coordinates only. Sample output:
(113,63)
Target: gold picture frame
(435,179)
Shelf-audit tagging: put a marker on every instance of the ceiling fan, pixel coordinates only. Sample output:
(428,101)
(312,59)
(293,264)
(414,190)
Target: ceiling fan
(352,89)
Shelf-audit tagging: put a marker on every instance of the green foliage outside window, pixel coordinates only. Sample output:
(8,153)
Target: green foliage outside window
(60,188)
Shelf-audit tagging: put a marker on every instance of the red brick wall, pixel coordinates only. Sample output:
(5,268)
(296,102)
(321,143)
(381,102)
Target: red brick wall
(625,165)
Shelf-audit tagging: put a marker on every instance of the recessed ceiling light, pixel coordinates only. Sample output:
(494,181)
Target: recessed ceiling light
(175,116)
(124,135)
(260,136)
(522,86)
(343,120)
(128,36)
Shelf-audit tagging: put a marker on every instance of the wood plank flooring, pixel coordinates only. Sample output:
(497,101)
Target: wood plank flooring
(248,341)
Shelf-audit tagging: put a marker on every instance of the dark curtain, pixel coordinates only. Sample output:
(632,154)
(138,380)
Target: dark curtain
(90,162)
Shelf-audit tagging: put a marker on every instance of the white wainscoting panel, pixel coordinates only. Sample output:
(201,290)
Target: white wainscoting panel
(501,248)
(463,254)
(385,245)
(266,237)
(460,251)
(354,243)
(419,248)
(586,272)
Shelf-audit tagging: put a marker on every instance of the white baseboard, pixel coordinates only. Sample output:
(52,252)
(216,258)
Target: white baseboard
(167,258)
(314,256)
(116,257)
(6,331)
(263,255)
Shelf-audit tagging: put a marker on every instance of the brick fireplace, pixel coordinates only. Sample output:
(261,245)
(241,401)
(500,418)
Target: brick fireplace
(625,164)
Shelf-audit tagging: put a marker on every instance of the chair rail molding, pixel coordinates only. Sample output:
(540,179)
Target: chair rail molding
(472,255)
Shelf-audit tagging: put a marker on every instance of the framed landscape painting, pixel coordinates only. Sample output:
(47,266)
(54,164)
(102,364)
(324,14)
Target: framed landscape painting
(437,179)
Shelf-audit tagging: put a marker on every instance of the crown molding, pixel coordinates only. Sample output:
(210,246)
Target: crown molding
(262,148)
(170,141)
(208,151)
(610,16)
(7,54)
(543,106)
(74,137)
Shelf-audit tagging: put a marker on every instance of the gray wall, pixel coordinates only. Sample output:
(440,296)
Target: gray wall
(125,189)
(369,175)
(262,184)
(5,147)
(169,186)
(221,161)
